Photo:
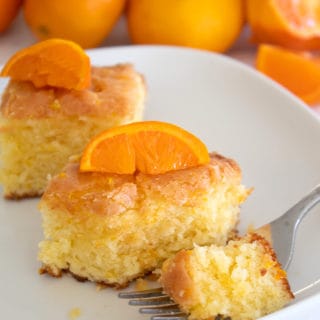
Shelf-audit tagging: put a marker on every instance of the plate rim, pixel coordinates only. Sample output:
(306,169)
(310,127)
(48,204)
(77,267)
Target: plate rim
(209,54)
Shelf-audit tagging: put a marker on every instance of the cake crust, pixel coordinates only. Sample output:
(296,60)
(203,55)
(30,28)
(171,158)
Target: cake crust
(113,92)
(112,194)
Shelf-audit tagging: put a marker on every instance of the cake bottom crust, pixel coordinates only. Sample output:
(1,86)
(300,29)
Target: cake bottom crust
(45,269)
(20,196)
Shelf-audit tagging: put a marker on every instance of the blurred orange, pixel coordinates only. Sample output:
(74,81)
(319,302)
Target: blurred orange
(87,22)
(205,24)
(299,72)
(293,24)
(8,11)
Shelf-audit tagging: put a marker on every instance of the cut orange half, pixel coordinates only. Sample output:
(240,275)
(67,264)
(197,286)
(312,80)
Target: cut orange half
(54,62)
(293,24)
(151,147)
(299,72)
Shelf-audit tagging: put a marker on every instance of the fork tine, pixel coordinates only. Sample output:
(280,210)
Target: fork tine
(163,311)
(178,317)
(159,302)
(157,292)
(156,302)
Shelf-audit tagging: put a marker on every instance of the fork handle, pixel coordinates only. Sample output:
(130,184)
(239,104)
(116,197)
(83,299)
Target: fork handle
(289,222)
(295,214)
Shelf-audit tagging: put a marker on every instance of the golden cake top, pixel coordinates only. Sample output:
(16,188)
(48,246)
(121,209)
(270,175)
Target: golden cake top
(101,193)
(115,91)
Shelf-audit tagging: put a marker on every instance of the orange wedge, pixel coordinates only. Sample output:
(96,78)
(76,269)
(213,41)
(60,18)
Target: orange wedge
(299,72)
(151,147)
(54,62)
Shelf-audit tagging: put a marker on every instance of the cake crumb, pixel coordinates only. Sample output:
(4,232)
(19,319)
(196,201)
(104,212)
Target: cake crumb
(55,105)
(251,228)
(100,286)
(141,285)
(74,313)
(154,275)
(62,175)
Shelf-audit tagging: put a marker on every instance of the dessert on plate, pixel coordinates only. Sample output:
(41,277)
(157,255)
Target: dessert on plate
(242,280)
(41,127)
(112,228)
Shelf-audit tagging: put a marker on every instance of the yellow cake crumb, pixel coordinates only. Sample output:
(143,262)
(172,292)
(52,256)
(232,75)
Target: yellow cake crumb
(55,104)
(74,313)
(141,284)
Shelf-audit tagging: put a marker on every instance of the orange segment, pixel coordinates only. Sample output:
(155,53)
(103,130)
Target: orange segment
(54,62)
(298,72)
(150,147)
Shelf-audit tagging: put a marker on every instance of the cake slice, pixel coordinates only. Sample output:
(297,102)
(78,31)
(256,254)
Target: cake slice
(112,228)
(241,281)
(41,128)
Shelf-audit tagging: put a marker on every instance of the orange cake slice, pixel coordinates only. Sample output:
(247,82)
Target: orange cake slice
(240,281)
(112,228)
(40,128)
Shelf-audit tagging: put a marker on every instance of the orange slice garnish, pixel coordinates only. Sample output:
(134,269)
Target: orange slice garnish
(299,72)
(54,62)
(150,147)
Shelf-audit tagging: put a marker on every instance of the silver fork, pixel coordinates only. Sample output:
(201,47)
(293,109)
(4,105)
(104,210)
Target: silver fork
(281,233)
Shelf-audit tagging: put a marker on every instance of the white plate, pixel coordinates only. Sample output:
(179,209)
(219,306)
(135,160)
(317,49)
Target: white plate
(237,112)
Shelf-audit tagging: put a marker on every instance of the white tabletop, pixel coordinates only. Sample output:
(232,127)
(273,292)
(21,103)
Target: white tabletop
(19,36)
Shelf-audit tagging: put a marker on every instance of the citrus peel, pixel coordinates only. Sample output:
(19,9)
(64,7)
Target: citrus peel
(8,12)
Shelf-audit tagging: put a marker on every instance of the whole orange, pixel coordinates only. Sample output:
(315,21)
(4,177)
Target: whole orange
(205,24)
(87,22)
(8,11)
